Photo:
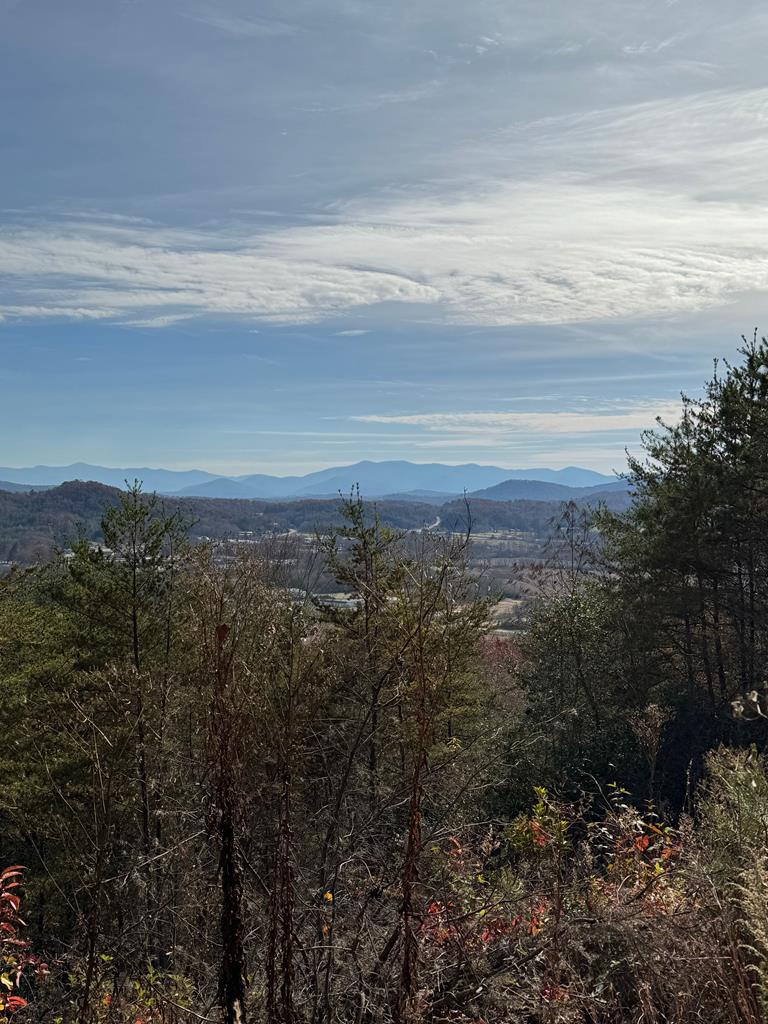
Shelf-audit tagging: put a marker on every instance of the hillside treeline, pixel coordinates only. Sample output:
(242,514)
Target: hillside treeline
(223,802)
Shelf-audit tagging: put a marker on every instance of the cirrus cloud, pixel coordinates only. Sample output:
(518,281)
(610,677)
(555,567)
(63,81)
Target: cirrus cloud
(550,423)
(601,216)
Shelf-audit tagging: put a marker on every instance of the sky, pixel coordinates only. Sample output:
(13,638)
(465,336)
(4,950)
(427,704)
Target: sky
(280,236)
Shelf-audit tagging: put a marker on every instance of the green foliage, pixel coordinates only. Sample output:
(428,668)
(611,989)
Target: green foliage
(673,618)
(543,829)
(120,595)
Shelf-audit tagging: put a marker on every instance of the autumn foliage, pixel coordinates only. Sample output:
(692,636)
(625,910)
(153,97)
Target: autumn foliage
(17,963)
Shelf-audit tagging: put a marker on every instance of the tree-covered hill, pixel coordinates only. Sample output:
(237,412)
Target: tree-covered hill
(34,524)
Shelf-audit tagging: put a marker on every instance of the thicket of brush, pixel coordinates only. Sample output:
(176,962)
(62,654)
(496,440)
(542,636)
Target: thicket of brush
(232,803)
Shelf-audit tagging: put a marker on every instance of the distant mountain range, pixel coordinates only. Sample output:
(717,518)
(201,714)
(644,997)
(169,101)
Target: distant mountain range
(163,480)
(430,482)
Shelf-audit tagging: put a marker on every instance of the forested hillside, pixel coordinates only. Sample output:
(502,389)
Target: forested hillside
(34,525)
(224,801)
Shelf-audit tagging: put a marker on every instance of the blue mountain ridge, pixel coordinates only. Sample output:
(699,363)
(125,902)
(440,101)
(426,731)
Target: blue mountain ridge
(375,479)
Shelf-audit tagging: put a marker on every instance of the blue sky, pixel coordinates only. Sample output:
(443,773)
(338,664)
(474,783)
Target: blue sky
(282,236)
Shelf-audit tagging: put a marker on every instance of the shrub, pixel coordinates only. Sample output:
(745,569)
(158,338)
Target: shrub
(17,963)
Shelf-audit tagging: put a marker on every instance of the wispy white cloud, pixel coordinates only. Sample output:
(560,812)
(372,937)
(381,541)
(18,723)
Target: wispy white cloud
(610,215)
(648,48)
(565,49)
(177,275)
(166,320)
(376,100)
(238,26)
(62,312)
(491,424)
